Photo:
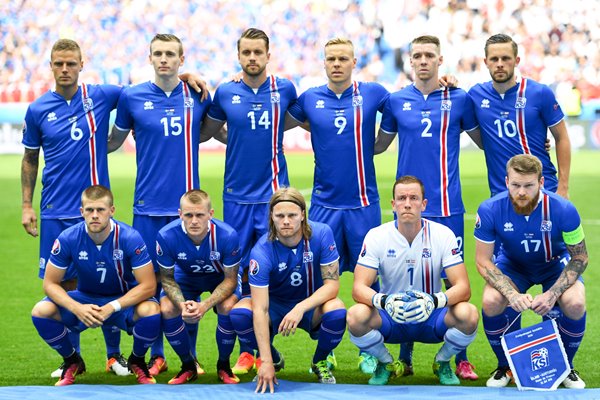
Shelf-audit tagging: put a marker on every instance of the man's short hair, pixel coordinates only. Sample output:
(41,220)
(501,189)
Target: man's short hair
(97,192)
(293,196)
(338,41)
(65,45)
(196,196)
(426,39)
(167,37)
(253,33)
(525,164)
(501,38)
(406,180)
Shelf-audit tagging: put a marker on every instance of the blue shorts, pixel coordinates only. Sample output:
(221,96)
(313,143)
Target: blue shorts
(49,231)
(279,310)
(122,319)
(193,286)
(251,221)
(430,331)
(546,277)
(148,226)
(349,226)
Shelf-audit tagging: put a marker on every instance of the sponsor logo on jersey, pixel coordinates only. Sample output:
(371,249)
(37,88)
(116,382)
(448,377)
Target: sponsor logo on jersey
(282,266)
(446,105)
(363,252)
(406,106)
(72,119)
(138,251)
(55,247)
(188,102)
(159,251)
(148,105)
(83,255)
(88,104)
(182,256)
(426,252)
(42,263)
(214,256)
(320,104)
(485,103)
(52,117)
(24,128)
(504,114)
(508,227)
(118,254)
(477,222)
(332,247)
(307,256)
(455,251)
(357,101)
(236,99)
(275,98)
(253,267)
(391,253)
(234,252)
(520,103)
(546,226)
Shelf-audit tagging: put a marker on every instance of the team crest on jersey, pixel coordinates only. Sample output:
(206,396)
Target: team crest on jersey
(520,103)
(253,267)
(159,251)
(357,101)
(546,226)
(24,128)
(426,252)
(52,117)
(477,222)
(118,254)
(320,104)
(42,263)
(275,98)
(88,104)
(332,247)
(214,256)
(307,256)
(446,105)
(188,102)
(55,247)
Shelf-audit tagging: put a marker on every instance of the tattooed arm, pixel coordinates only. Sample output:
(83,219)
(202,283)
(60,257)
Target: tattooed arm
(29,171)
(329,291)
(484,253)
(221,292)
(171,288)
(544,302)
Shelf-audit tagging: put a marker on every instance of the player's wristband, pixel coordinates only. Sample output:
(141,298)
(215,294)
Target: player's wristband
(440,299)
(378,300)
(116,305)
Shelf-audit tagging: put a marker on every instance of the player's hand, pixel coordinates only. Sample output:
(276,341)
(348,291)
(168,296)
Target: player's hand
(197,83)
(520,301)
(420,307)
(237,77)
(290,322)
(106,311)
(265,377)
(190,312)
(448,81)
(29,221)
(394,306)
(543,303)
(89,314)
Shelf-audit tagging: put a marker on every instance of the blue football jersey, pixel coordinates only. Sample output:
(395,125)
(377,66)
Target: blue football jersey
(529,242)
(292,274)
(74,139)
(167,135)
(342,131)
(105,270)
(515,124)
(255,166)
(429,142)
(220,249)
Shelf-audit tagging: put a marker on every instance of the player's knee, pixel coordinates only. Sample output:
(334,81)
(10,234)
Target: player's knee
(573,307)
(467,316)
(147,309)
(44,309)
(493,302)
(246,303)
(357,317)
(333,304)
(168,309)
(227,305)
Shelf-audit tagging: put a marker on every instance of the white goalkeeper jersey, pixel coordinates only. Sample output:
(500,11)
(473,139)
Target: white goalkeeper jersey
(403,266)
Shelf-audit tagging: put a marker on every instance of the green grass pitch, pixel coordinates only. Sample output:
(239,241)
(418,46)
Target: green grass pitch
(29,361)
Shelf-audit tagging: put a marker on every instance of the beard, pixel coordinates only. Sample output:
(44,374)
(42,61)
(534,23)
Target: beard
(509,76)
(528,208)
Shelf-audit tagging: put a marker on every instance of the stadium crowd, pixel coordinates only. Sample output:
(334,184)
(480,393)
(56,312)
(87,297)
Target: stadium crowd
(560,41)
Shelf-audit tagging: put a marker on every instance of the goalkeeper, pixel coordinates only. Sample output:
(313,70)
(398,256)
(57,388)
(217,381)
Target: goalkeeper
(409,255)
